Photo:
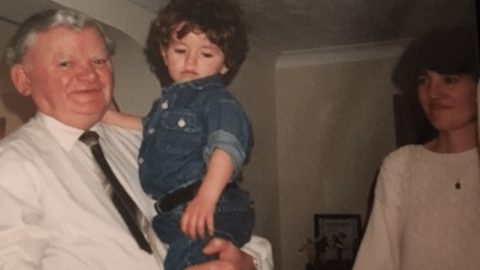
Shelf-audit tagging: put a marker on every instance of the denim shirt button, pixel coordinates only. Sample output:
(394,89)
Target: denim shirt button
(140,161)
(165,105)
(151,130)
(181,122)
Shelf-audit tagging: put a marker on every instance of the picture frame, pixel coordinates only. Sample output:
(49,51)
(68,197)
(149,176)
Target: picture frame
(337,238)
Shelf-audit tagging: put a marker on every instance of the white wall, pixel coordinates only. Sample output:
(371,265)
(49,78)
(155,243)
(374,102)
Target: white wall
(256,90)
(135,86)
(12,106)
(335,125)
(323,122)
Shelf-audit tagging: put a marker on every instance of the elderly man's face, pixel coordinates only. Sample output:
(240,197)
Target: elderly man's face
(68,74)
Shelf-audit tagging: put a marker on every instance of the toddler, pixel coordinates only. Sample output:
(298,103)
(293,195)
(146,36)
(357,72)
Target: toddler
(197,137)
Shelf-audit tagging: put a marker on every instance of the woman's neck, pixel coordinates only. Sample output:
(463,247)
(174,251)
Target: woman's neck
(454,142)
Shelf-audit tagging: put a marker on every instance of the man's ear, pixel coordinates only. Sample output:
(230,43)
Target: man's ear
(20,80)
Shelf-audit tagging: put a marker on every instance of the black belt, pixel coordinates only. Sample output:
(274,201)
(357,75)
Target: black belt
(180,196)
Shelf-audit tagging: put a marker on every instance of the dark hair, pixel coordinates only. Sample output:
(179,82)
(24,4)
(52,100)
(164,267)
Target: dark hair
(223,21)
(46,20)
(448,51)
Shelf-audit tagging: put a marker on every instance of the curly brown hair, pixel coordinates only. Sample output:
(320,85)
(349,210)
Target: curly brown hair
(223,22)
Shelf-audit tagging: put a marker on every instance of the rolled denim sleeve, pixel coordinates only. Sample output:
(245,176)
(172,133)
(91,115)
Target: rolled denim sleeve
(228,143)
(229,129)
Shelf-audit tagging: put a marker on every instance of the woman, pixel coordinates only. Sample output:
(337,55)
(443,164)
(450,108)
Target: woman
(426,213)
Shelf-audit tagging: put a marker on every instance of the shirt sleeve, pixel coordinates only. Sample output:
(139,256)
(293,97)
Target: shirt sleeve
(22,239)
(229,129)
(260,249)
(380,247)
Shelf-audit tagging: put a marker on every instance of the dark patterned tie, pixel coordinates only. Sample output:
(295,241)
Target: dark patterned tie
(127,208)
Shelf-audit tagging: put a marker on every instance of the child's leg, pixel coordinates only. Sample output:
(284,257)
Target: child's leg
(235,217)
(182,252)
(234,221)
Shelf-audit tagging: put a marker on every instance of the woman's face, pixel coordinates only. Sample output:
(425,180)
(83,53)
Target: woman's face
(449,101)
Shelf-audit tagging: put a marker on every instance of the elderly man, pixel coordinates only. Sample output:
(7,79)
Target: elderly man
(55,211)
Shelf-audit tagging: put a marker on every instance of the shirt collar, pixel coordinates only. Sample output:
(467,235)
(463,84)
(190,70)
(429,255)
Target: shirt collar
(65,135)
(198,84)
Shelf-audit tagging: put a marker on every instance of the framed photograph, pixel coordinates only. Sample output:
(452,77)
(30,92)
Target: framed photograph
(337,239)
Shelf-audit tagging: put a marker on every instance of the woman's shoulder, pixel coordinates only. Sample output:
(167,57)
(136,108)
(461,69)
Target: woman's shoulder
(409,149)
(407,154)
(396,170)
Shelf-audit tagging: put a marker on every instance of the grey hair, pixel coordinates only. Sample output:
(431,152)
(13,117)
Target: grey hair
(46,20)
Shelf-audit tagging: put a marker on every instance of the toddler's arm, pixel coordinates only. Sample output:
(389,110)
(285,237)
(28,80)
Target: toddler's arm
(122,120)
(197,219)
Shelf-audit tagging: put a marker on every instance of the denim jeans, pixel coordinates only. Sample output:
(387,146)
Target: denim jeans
(234,221)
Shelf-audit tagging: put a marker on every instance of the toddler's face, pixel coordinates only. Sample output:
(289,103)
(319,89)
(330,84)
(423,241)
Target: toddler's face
(193,57)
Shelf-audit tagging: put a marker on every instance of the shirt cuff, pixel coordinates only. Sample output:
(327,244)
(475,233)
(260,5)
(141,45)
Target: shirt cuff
(261,251)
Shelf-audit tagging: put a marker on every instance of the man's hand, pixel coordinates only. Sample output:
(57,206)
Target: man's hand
(229,257)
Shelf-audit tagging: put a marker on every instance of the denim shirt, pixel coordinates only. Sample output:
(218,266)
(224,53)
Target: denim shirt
(182,130)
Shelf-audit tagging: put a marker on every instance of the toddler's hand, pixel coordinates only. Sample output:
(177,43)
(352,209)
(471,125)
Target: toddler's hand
(197,219)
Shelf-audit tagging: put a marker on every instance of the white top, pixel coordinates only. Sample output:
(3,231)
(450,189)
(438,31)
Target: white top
(420,220)
(54,211)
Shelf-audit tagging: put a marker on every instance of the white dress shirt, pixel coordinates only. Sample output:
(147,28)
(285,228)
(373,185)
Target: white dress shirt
(54,211)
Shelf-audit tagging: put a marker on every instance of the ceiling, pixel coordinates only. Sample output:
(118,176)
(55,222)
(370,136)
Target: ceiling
(293,25)
(296,25)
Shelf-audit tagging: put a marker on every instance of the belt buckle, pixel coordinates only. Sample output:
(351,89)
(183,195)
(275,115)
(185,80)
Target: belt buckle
(158,208)
(165,205)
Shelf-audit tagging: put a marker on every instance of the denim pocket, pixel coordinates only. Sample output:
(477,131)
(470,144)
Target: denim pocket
(181,121)
(182,133)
